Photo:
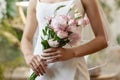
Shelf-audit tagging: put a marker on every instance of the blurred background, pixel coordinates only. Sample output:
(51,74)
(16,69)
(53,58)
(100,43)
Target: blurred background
(103,65)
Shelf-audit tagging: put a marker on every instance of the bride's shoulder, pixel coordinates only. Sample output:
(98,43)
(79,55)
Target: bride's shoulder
(89,3)
(32,4)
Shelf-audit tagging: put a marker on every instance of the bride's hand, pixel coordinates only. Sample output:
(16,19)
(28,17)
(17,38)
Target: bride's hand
(36,63)
(57,54)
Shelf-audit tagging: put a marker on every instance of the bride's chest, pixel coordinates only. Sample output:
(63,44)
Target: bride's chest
(61,8)
(48,9)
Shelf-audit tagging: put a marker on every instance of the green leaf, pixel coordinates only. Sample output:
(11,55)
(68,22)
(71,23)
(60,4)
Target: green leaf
(53,33)
(49,35)
(46,28)
(45,44)
(55,37)
(44,32)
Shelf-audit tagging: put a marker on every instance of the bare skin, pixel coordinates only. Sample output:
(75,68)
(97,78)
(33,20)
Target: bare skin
(61,54)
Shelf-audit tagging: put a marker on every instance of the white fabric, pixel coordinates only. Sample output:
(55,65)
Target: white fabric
(74,69)
(106,25)
(87,33)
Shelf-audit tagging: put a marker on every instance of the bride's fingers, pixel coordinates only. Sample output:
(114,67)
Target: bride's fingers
(33,66)
(57,58)
(42,67)
(37,66)
(41,64)
(50,50)
(54,60)
(49,54)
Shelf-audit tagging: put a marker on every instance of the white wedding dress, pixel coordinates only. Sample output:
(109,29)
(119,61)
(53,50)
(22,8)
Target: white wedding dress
(73,69)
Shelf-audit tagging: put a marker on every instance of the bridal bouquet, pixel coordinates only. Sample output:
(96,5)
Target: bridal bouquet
(60,30)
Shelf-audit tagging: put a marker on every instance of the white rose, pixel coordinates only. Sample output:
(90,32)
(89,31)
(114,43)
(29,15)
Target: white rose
(53,43)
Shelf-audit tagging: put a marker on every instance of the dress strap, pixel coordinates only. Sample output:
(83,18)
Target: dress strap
(38,1)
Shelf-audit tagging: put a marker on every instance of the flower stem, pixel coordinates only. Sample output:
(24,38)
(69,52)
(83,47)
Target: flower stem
(33,76)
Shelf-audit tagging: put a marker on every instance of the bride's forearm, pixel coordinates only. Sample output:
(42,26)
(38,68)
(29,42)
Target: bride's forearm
(26,47)
(33,61)
(95,45)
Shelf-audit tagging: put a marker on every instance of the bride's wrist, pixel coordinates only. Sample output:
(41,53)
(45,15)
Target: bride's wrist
(27,58)
(74,52)
(26,55)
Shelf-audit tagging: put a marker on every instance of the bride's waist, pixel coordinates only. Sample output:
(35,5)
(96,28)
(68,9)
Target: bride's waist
(71,63)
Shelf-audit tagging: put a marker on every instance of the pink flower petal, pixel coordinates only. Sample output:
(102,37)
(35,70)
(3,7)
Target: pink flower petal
(62,34)
(53,43)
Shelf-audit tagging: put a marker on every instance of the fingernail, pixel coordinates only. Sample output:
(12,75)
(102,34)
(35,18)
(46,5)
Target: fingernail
(45,72)
(46,66)
(42,74)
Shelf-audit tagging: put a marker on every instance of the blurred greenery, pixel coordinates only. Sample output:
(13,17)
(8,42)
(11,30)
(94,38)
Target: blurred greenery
(118,6)
(1,74)
(11,56)
(107,10)
(11,9)
(118,39)
(97,59)
(10,36)
(118,3)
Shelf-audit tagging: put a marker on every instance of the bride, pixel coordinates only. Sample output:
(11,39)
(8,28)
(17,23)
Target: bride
(64,63)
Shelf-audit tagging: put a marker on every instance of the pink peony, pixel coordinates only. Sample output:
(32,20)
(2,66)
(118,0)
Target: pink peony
(72,22)
(69,17)
(72,29)
(53,43)
(74,38)
(83,21)
(59,23)
(62,34)
(65,17)
(87,20)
